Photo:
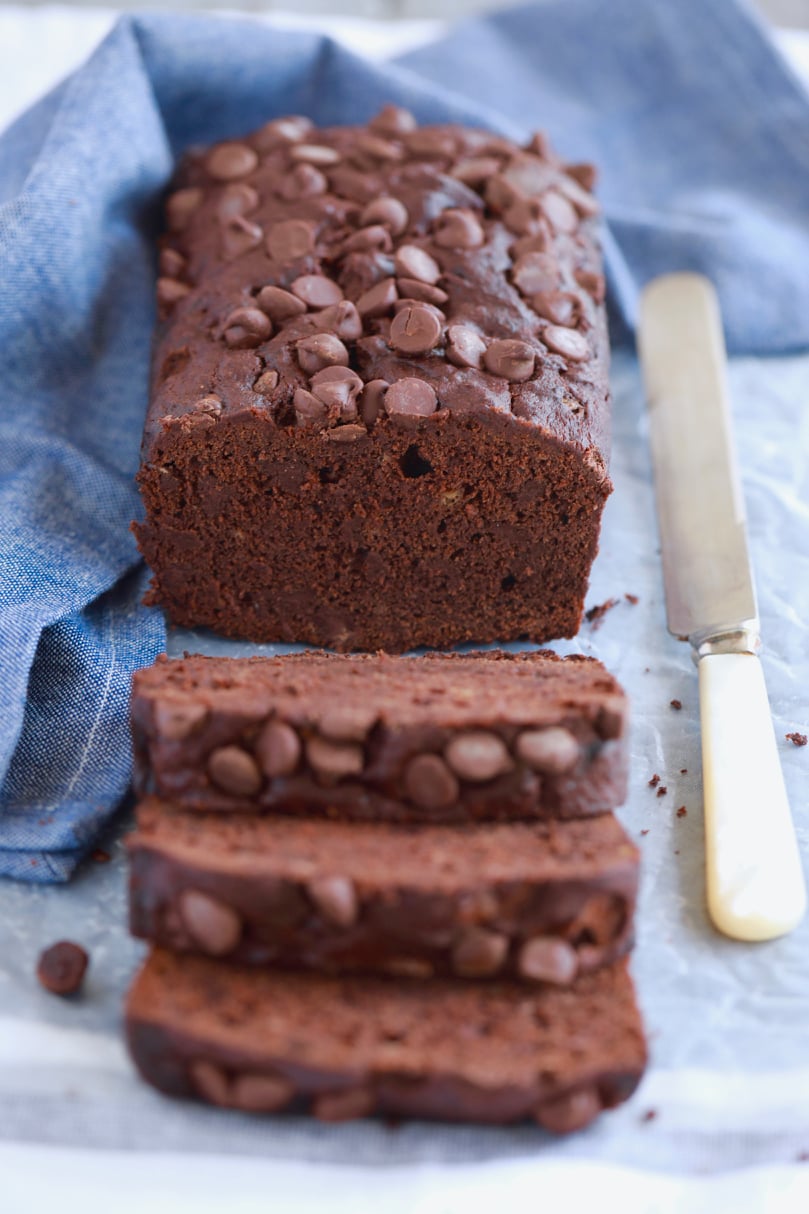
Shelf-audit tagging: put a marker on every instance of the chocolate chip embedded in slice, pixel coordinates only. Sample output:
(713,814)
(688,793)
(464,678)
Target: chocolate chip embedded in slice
(290,239)
(309,409)
(567,342)
(278,749)
(457,228)
(175,721)
(412,262)
(411,397)
(552,751)
(234,771)
(239,236)
(316,290)
(568,1113)
(430,783)
(280,305)
(393,120)
(546,959)
(478,756)
(346,1105)
(181,205)
(214,927)
(415,330)
(379,299)
(246,328)
(228,161)
(61,968)
(336,899)
(322,350)
(342,319)
(479,953)
(260,1093)
(465,347)
(389,212)
(512,359)
(334,760)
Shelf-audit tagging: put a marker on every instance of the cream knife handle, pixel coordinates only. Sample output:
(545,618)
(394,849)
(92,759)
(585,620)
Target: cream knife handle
(755,883)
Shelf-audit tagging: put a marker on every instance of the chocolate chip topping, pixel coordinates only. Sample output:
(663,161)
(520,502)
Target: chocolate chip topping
(172,263)
(61,967)
(342,319)
(378,299)
(411,397)
(228,161)
(266,383)
(389,212)
(338,389)
(559,307)
(239,236)
(411,288)
(412,262)
(309,409)
(430,783)
(393,120)
(567,342)
(372,402)
(322,350)
(477,170)
(315,153)
(336,899)
(234,771)
(514,360)
(535,272)
(279,304)
(316,290)
(415,330)
(214,927)
(592,283)
(289,129)
(278,749)
(170,292)
(238,199)
(560,213)
(479,953)
(181,205)
(247,327)
(290,239)
(465,347)
(478,756)
(305,181)
(458,229)
(547,959)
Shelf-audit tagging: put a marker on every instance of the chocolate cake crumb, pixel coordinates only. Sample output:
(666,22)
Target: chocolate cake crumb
(662,790)
(683,771)
(632,598)
(595,615)
(100,856)
(682,812)
(61,968)
(797,739)
(676,704)
(645,832)
(655,780)
(649,1115)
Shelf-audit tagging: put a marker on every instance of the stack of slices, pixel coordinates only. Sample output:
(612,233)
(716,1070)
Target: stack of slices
(385,885)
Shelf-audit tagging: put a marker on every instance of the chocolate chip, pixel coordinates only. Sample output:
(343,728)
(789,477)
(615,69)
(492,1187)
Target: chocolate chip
(239,199)
(535,272)
(210,1082)
(408,967)
(540,145)
(553,751)
(290,239)
(181,205)
(538,241)
(567,342)
(592,283)
(432,143)
(414,330)
(278,749)
(478,756)
(335,898)
(334,760)
(379,299)
(305,181)
(530,175)
(309,410)
(465,347)
(315,153)
(346,434)
(546,959)
(279,304)
(316,290)
(172,263)
(342,319)
(338,389)
(239,236)
(61,967)
(372,401)
(512,359)
(230,160)
(260,1093)
(609,720)
(422,292)
(234,771)
(525,217)
(430,783)
(372,147)
(560,213)
(174,721)
(246,328)
(560,307)
(411,398)
(479,953)
(585,174)
(213,406)
(582,199)
(412,262)
(322,350)
(344,1106)
(170,292)
(289,129)
(345,724)
(500,194)
(375,237)
(389,212)
(214,927)
(476,171)
(568,1113)
(393,120)
(458,229)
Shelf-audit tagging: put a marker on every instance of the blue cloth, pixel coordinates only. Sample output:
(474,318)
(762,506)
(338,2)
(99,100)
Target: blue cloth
(702,138)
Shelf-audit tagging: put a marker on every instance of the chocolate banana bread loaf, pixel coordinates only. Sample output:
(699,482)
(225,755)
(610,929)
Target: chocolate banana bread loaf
(441,738)
(264,1041)
(540,902)
(380,409)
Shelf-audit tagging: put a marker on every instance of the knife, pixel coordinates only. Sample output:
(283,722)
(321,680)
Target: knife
(755,885)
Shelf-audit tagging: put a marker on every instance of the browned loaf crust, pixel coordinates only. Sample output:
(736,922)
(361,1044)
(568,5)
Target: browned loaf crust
(440,738)
(541,902)
(265,1041)
(380,408)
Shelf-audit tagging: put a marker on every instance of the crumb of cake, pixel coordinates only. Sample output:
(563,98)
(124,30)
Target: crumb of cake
(632,598)
(100,856)
(645,832)
(595,615)
(797,739)
(683,771)
(61,968)
(649,1115)
(655,780)
(682,812)
(676,704)
(662,790)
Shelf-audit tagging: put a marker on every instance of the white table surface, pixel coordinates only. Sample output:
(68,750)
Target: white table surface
(729,1081)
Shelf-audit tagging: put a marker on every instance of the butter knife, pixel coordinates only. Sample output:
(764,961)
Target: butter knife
(755,885)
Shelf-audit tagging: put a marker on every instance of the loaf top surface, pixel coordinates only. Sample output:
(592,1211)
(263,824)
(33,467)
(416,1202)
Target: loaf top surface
(347,278)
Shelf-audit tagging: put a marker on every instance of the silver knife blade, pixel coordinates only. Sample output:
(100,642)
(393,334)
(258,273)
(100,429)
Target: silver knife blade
(706,565)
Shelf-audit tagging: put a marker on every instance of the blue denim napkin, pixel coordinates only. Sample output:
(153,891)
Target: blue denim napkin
(702,138)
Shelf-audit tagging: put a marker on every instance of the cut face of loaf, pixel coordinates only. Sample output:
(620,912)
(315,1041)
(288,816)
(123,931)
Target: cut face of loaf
(440,738)
(380,409)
